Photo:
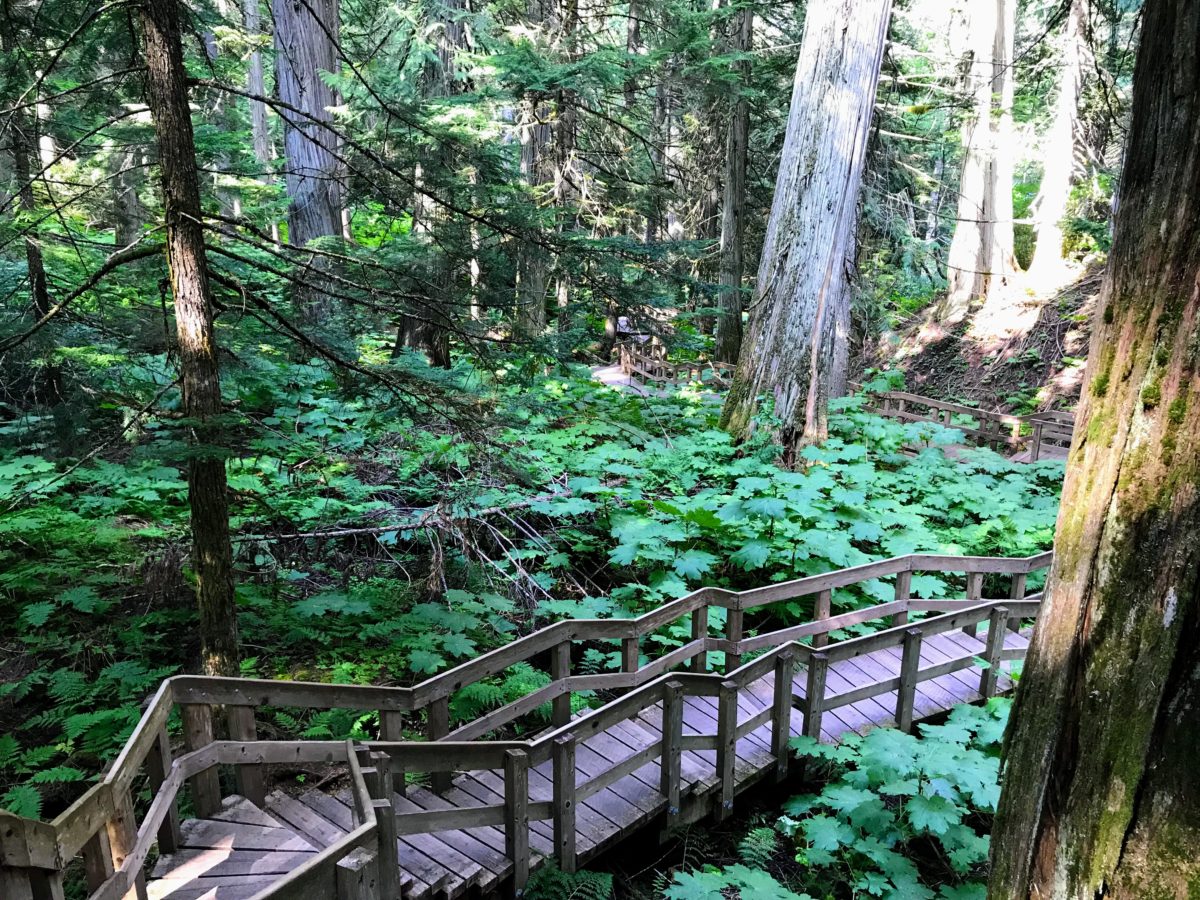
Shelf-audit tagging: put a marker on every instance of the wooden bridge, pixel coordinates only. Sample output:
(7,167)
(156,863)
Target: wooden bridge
(477,805)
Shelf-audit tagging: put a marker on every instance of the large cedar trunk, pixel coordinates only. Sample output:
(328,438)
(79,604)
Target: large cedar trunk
(980,262)
(305,31)
(1101,790)
(733,208)
(212,558)
(792,337)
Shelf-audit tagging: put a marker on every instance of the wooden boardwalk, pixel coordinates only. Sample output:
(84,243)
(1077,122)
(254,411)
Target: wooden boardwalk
(236,853)
(471,810)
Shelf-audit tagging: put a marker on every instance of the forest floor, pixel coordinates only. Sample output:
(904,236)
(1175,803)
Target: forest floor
(1028,358)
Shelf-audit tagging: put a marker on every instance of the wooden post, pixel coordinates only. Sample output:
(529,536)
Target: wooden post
(1016,592)
(699,662)
(391,728)
(562,754)
(197,733)
(1035,446)
(903,593)
(122,835)
(378,778)
(997,626)
(516,816)
(97,860)
(437,727)
(733,634)
(17,883)
(821,609)
(818,668)
(251,778)
(910,667)
(158,765)
(781,713)
(629,654)
(974,595)
(560,669)
(671,762)
(358,875)
(727,711)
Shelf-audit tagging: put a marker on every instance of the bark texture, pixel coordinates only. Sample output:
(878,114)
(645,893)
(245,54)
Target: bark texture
(305,31)
(1101,794)
(794,329)
(212,558)
(733,208)
(981,261)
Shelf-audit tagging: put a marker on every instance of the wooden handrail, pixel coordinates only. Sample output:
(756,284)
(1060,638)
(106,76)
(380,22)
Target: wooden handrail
(50,846)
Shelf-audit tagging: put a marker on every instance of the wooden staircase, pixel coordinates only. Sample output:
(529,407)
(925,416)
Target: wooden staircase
(468,811)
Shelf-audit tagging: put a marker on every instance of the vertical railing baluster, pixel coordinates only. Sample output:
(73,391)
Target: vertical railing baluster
(97,860)
(910,667)
(699,662)
(733,634)
(671,757)
(629,654)
(726,745)
(560,670)
(158,766)
(1016,592)
(997,626)
(516,816)
(903,594)
(198,733)
(251,780)
(391,729)
(437,727)
(781,713)
(378,778)
(563,767)
(821,609)
(122,835)
(974,595)
(814,699)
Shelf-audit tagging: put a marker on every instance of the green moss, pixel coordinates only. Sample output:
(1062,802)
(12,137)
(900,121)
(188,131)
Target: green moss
(1100,385)
(1177,410)
(1152,393)
(1108,315)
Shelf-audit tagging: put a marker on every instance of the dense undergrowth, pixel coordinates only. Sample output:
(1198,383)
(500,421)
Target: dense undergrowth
(375,547)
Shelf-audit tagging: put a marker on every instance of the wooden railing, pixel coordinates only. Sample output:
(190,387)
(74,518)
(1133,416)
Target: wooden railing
(1000,431)
(658,370)
(102,826)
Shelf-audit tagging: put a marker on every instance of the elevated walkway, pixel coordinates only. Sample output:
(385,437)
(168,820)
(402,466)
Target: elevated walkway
(473,810)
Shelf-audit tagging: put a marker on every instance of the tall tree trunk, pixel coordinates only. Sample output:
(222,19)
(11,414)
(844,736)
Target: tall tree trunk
(1101,791)
(733,209)
(566,175)
(305,31)
(22,139)
(981,258)
(790,347)
(1058,157)
(212,557)
(256,85)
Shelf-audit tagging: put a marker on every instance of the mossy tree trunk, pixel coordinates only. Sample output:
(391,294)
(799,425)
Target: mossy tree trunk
(1101,791)
(796,322)
(212,556)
